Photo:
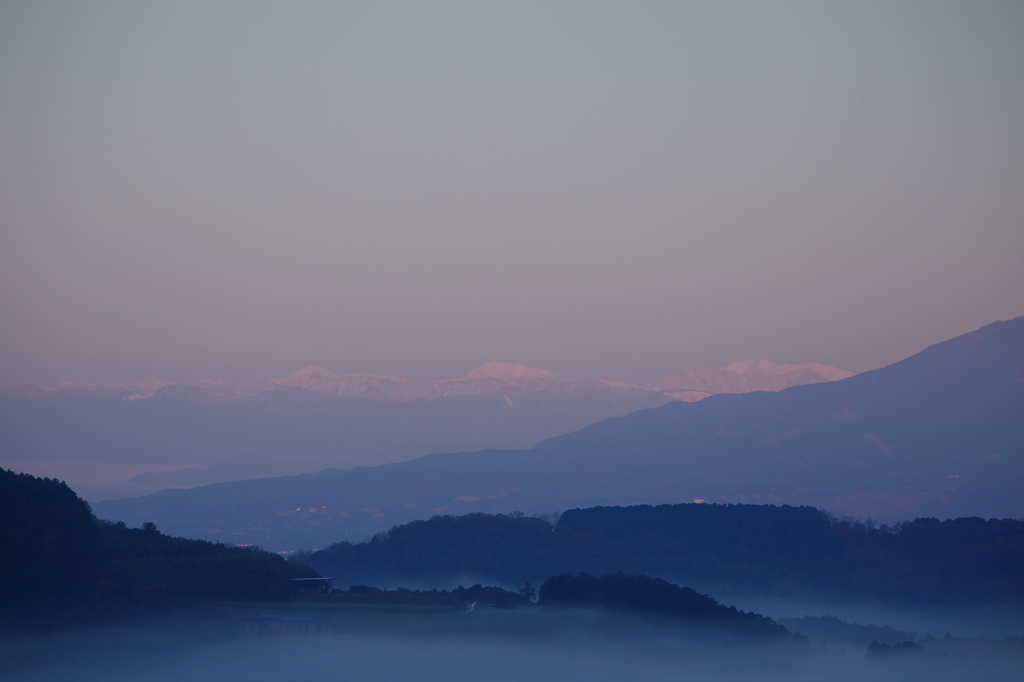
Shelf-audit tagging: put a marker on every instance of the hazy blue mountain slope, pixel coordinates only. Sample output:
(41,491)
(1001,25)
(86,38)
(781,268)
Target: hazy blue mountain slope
(938,434)
(217,436)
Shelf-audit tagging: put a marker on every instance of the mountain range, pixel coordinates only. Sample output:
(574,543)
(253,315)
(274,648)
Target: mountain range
(119,440)
(490,377)
(940,433)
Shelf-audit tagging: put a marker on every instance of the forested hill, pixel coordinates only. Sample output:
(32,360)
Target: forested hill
(656,597)
(56,559)
(799,551)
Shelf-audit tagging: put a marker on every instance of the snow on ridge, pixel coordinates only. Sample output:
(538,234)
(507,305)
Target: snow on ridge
(492,376)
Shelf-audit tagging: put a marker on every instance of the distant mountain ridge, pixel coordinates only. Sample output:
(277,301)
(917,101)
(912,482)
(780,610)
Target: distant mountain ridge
(493,376)
(940,433)
(111,444)
(116,440)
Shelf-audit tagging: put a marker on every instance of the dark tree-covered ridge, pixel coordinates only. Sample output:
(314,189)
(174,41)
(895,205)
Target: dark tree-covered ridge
(56,557)
(782,550)
(656,597)
(47,540)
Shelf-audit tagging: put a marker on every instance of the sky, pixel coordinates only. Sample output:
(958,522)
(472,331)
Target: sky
(235,190)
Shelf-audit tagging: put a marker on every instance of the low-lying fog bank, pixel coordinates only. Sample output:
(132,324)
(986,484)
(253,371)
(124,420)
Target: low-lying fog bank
(515,645)
(993,621)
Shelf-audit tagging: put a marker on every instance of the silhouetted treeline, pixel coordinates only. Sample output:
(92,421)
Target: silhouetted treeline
(56,557)
(832,629)
(459,597)
(784,550)
(878,649)
(657,597)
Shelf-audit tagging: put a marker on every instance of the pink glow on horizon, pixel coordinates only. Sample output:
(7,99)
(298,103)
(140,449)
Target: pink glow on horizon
(614,190)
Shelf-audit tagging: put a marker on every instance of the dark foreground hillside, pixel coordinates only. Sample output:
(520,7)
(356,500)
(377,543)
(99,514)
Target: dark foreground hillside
(56,559)
(777,550)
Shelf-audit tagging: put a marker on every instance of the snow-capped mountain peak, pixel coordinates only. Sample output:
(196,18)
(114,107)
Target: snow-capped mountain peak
(516,375)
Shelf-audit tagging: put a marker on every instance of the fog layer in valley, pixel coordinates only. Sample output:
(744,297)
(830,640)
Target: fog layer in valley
(508,646)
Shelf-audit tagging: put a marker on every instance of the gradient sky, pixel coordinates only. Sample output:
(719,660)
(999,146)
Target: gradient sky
(609,190)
